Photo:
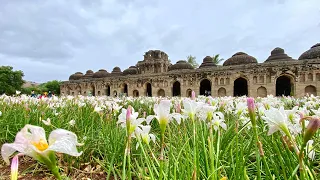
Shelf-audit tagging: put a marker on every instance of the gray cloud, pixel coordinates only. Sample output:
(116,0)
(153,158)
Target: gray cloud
(53,39)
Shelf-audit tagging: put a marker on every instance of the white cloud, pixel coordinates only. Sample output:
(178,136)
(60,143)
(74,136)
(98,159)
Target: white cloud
(53,39)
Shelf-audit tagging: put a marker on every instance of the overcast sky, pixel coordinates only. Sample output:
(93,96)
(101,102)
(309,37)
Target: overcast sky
(51,39)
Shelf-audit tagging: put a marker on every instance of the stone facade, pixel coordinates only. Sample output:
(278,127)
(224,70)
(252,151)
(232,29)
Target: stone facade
(240,75)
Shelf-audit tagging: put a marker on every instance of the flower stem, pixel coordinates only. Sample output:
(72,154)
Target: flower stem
(162,155)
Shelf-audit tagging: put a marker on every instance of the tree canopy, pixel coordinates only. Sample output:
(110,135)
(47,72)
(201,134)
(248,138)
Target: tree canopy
(10,80)
(192,60)
(216,59)
(53,86)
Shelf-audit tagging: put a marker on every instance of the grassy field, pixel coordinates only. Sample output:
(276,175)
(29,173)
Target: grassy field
(201,138)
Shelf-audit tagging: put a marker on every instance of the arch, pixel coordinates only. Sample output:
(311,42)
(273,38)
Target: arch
(240,87)
(93,90)
(228,81)
(115,93)
(72,93)
(268,79)
(78,89)
(108,90)
(318,76)
(222,92)
(261,79)
(148,90)
(302,77)
(255,79)
(124,89)
(310,90)
(161,93)
(310,77)
(262,92)
(176,89)
(216,81)
(189,92)
(205,87)
(284,86)
(222,81)
(99,93)
(135,93)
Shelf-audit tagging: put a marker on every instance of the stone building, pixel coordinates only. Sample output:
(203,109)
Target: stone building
(239,75)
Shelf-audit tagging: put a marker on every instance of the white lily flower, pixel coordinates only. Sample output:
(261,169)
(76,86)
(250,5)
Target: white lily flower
(18,92)
(47,122)
(134,120)
(0,113)
(206,113)
(277,120)
(142,132)
(310,150)
(162,114)
(191,108)
(218,121)
(31,141)
(72,122)
(98,109)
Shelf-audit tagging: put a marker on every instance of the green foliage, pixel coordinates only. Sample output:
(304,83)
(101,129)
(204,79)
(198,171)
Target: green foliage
(216,59)
(10,80)
(192,60)
(53,86)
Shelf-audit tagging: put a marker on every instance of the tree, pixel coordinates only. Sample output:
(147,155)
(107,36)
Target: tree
(216,59)
(10,80)
(192,60)
(53,86)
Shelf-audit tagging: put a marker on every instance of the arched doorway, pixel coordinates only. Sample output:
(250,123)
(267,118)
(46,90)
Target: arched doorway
(205,87)
(310,90)
(124,89)
(161,93)
(93,90)
(149,90)
(240,87)
(115,93)
(135,93)
(108,91)
(262,92)
(284,86)
(189,93)
(222,92)
(78,90)
(176,89)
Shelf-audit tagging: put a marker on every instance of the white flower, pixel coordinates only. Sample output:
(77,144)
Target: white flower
(218,121)
(134,120)
(0,113)
(162,113)
(98,109)
(310,150)
(18,92)
(142,132)
(191,107)
(31,141)
(72,122)
(206,113)
(47,122)
(277,120)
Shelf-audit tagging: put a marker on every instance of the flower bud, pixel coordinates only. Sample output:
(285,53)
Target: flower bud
(250,103)
(14,167)
(313,126)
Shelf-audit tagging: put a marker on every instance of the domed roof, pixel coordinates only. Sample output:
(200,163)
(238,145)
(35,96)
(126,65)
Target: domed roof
(100,74)
(88,75)
(312,53)
(277,54)
(182,64)
(76,76)
(240,58)
(130,70)
(116,70)
(207,62)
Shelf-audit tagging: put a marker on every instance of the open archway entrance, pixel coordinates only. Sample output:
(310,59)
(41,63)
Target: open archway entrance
(176,89)
(161,93)
(135,93)
(240,87)
(283,86)
(205,87)
(108,91)
(125,89)
(149,90)
(189,93)
(93,91)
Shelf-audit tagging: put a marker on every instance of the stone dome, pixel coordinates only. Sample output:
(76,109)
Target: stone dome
(76,76)
(100,74)
(277,54)
(240,58)
(131,70)
(207,62)
(88,75)
(312,53)
(116,70)
(182,64)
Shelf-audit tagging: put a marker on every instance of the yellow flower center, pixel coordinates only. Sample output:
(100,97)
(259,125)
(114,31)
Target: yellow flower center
(41,145)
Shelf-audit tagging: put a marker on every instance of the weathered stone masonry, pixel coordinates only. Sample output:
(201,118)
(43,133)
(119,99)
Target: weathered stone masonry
(240,75)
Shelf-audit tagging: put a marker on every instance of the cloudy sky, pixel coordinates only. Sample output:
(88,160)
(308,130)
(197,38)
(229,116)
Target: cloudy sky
(51,39)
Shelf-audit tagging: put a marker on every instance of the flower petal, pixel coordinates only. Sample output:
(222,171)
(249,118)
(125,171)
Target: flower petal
(63,141)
